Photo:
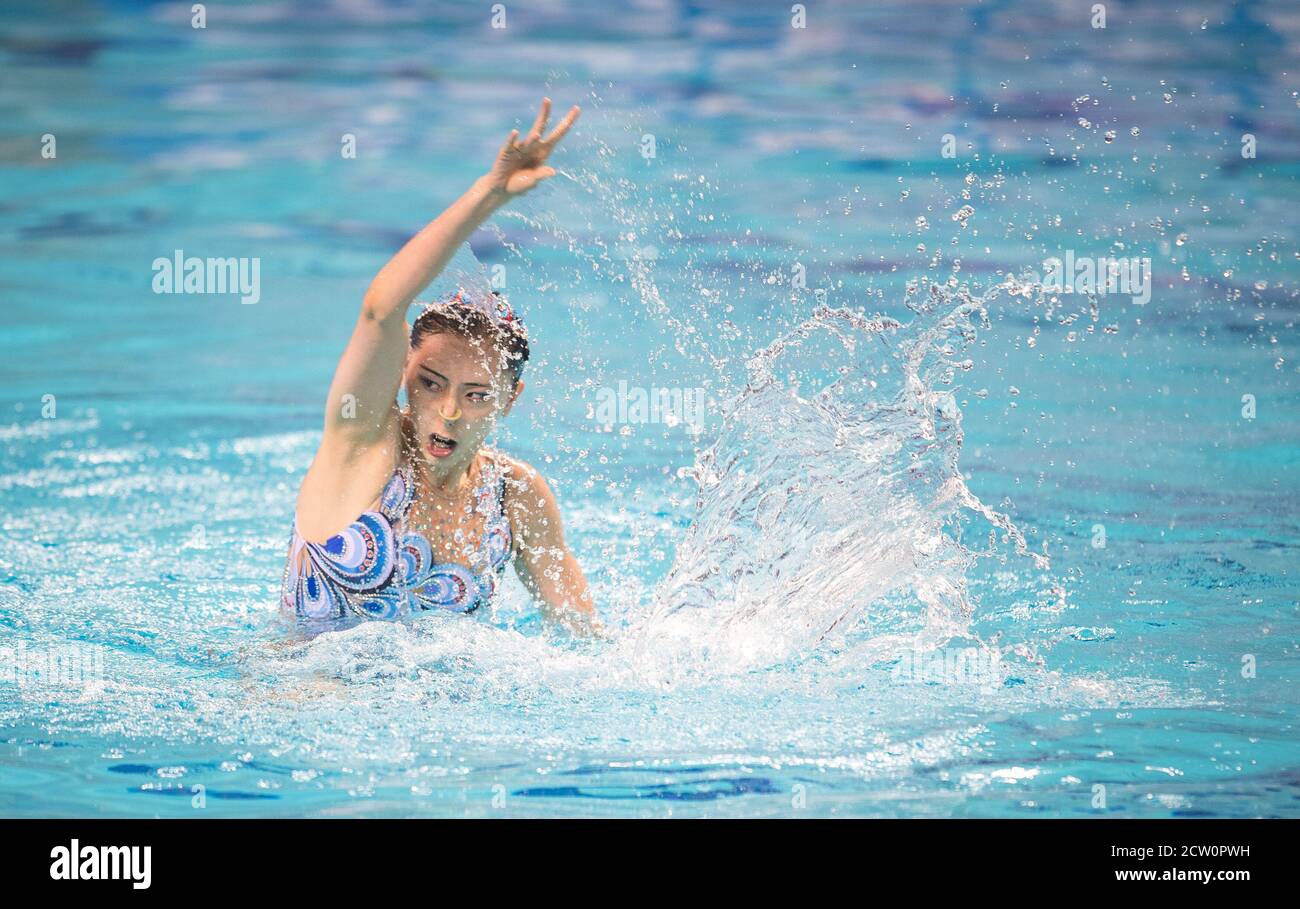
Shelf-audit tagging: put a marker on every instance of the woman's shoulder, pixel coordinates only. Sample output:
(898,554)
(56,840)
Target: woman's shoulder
(526,491)
(517,473)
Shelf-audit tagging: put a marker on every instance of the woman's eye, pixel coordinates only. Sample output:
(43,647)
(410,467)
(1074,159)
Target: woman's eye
(429,383)
(481,396)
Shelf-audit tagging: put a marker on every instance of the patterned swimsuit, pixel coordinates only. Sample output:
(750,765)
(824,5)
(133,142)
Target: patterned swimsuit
(377,569)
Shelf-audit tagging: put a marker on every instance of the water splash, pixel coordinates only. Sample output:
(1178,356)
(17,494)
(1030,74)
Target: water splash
(817,509)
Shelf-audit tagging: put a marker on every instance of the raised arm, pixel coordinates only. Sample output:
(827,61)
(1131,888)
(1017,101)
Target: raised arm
(371,366)
(359,443)
(360,408)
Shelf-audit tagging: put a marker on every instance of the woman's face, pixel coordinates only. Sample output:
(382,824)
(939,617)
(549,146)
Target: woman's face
(457,388)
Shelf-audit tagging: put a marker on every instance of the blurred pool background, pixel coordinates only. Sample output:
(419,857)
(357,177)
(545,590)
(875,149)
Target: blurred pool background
(151,444)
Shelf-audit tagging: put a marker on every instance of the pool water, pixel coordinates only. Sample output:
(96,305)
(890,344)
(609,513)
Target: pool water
(940,539)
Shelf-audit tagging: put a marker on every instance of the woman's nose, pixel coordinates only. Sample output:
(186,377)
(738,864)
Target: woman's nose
(448,409)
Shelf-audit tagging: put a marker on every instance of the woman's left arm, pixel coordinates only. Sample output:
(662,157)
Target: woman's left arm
(543,561)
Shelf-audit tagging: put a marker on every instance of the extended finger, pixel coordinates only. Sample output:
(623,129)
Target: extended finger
(509,143)
(558,133)
(540,123)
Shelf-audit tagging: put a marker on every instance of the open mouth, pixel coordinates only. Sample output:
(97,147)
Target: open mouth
(440,446)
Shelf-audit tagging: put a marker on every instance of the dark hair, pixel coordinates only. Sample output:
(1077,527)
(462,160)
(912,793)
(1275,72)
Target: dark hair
(475,325)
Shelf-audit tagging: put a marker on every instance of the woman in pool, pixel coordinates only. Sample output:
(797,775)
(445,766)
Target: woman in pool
(440,514)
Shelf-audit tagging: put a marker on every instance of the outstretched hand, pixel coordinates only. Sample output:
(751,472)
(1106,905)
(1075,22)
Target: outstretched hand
(521,165)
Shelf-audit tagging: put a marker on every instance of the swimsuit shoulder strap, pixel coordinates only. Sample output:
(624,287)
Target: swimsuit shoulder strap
(398,493)
(499,520)
(498,471)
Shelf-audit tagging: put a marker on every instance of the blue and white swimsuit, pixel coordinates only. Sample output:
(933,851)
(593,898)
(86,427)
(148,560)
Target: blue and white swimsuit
(377,569)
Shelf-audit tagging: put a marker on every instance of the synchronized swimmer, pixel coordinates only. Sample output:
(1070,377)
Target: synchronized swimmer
(440,513)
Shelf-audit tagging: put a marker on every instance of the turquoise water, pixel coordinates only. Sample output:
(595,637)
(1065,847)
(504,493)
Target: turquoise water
(859,498)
